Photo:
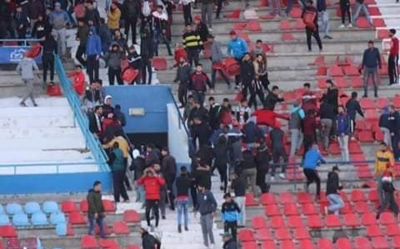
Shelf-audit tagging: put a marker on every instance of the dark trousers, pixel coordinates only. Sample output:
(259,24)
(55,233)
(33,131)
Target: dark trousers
(152,205)
(223,173)
(312,176)
(21,34)
(182,93)
(114,73)
(390,202)
(146,70)
(126,178)
(48,64)
(214,75)
(260,180)
(315,34)
(232,226)
(170,183)
(193,56)
(79,55)
(238,79)
(277,155)
(255,91)
(395,146)
(92,67)
(193,193)
(118,185)
(246,88)
(308,141)
(160,37)
(219,8)
(187,13)
(345,10)
(200,96)
(393,62)
(130,23)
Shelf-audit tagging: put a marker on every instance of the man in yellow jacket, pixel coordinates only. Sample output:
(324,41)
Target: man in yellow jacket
(384,160)
(114,16)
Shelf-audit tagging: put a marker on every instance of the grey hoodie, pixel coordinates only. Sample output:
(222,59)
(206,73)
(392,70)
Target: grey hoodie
(216,53)
(113,59)
(26,67)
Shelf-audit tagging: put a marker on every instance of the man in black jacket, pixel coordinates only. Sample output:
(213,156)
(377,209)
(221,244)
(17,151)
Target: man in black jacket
(149,241)
(273,98)
(332,194)
(249,170)
(229,242)
(353,107)
(312,30)
(146,52)
(96,209)
(262,160)
(49,49)
(247,74)
(168,169)
(183,184)
(327,116)
(95,121)
(81,36)
(130,14)
(371,61)
(183,74)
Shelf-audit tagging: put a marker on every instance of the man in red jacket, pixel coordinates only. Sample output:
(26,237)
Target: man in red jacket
(393,59)
(152,184)
(267,117)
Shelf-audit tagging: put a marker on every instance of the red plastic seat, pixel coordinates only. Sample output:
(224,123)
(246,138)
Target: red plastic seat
(309,209)
(303,197)
(239,26)
(314,221)
(287,37)
(367,103)
(351,220)
(392,229)
(357,195)
(362,22)
(89,242)
(68,206)
(249,245)
(356,82)
(365,137)
(299,24)
(382,103)
(120,227)
(374,231)
(332,220)
(277,222)
(272,210)
(379,22)
(396,101)
(131,216)
(250,201)
(371,115)
(306,244)
(379,136)
(290,209)
(246,235)
(396,242)
(335,71)
(7,231)
(321,71)
(362,243)
(259,222)
(160,63)
(351,71)
(301,233)
(254,26)
(296,13)
(11,243)
(285,25)
(287,244)
(84,206)
(263,235)
(267,199)
(286,197)
(234,15)
(368,219)
(380,243)
(382,33)
(374,11)
(242,34)
(295,222)
(283,234)
(341,82)
(268,245)
(108,206)
(77,218)
(362,207)
(373,195)
(133,247)
(343,243)
(320,60)
(325,244)
(387,218)
(108,243)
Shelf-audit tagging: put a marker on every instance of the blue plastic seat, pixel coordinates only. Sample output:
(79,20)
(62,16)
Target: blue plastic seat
(57,218)
(50,207)
(4,220)
(32,207)
(21,219)
(61,229)
(14,208)
(39,219)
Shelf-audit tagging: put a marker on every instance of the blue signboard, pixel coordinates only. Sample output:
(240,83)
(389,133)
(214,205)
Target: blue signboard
(13,55)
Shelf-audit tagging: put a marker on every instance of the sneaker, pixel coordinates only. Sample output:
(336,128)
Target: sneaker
(186,229)
(22,104)
(221,188)
(282,176)
(350,25)
(179,229)
(328,37)
(163,217)
(341,26)
(35,105)
(272,178)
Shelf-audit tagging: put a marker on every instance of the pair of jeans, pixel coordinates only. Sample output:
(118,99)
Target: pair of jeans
(371,72)
(130,23)
(193,56)
(182,210)
(200,96)
(395,146)
(114,74)
(393,62)
(100,223)
(289,5)
(277,155)
(344,147)
(206,222)
(324,20)
(364,8)
(61,39)
(214,75)
(296,138)
(160,37)
(326,123)
(275,7)
(241,201)
(335,203)
(256,90)
(140,193)
(390,202)
(29,91)
(250,175)
(146,71)
(345,10)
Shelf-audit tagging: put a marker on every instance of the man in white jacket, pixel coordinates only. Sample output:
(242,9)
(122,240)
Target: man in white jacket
(26,68)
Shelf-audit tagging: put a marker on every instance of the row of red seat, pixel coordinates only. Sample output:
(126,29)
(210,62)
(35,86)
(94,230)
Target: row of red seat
(90,242)
(70,206)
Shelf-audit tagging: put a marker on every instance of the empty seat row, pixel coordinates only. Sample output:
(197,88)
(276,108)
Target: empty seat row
(70,206)
(30,208)
(37,219)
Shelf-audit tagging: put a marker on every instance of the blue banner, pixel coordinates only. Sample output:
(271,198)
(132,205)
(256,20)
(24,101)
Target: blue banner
(13,55)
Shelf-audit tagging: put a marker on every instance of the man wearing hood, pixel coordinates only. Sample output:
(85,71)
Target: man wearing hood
(149,241)
(96,209)
(160,19)
(59,19)
(113,59)
(107,106)
(332,187)
(81,36)
(93,52)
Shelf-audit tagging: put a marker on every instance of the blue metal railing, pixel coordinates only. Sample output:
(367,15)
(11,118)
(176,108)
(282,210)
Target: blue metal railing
(91,142)
(48,165)
(181,122)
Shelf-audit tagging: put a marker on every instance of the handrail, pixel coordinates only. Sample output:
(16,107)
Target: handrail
(181,121)
(93,143)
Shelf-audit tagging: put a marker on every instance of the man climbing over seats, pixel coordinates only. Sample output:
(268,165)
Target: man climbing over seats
(332,192)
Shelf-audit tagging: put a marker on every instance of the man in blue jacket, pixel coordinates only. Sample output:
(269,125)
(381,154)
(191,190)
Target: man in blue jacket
(93,52)
(311,161)
(237,48)
(230,213)
(206,206)
(370,62)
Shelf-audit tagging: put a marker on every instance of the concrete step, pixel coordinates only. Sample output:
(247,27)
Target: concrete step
(389,9)
(37,156)
(74,142)
(37,133)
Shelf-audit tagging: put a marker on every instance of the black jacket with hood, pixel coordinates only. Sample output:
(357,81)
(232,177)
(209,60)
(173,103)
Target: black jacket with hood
(95,203)
(332,184)
(150,242)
